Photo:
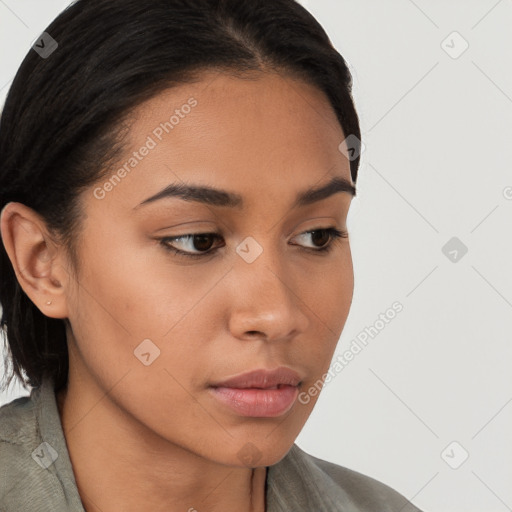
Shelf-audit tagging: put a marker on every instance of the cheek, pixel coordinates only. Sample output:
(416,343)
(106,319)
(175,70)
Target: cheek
(129,293)
(132,322)
(328,300)
(328,293)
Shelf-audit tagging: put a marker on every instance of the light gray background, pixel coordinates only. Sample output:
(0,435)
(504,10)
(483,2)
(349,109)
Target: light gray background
(437,127)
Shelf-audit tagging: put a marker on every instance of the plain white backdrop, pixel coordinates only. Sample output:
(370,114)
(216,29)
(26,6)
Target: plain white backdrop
(426,405)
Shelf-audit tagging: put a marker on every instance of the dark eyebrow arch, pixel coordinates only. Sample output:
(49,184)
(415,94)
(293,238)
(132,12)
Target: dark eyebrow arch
(219,197)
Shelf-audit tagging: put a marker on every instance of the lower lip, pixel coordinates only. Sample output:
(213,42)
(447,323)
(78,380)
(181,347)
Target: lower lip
(260,403)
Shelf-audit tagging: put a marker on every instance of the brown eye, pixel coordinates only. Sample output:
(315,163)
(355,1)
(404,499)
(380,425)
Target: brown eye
(200,242)
(203,242)
(320,237)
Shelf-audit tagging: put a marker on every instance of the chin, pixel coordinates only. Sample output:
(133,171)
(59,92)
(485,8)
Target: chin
(258,453)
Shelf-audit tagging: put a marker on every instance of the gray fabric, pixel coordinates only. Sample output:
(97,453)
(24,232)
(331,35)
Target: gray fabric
(33,480)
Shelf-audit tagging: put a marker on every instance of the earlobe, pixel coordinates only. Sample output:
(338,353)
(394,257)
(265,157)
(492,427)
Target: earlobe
(33,255)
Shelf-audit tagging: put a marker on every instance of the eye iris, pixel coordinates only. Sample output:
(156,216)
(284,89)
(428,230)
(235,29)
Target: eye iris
(325,236)
(202,239)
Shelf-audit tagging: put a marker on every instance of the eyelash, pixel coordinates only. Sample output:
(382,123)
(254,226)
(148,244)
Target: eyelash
(334,233)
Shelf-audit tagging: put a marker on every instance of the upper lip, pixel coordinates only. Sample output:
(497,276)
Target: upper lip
(262,378)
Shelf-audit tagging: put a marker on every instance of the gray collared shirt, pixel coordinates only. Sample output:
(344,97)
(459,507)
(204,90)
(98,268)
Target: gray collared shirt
(36,474)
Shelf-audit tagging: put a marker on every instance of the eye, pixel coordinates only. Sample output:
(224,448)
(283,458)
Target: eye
(195,241)
(202,242)
(325,237)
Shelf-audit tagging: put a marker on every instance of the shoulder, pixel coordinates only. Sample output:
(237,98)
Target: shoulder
(364,490)
(18,436)
(328,486)
(18,431)
(24,478)
(18,421)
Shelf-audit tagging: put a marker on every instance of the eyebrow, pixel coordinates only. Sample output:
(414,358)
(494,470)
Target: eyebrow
(219,197)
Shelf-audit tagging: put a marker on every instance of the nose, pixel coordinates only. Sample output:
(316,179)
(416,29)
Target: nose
(266,297)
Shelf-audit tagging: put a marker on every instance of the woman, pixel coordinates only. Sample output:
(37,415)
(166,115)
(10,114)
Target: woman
(167,370)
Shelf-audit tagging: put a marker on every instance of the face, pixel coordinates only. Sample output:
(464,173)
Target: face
(250,289)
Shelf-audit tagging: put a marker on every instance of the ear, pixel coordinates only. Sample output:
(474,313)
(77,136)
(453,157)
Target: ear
(37,260)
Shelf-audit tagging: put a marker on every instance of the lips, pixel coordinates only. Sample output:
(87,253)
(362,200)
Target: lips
(262,379)
(259,393)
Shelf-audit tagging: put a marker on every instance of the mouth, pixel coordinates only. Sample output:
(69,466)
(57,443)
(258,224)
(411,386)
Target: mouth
(259,393)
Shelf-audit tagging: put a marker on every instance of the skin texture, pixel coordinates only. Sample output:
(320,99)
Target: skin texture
(152,437)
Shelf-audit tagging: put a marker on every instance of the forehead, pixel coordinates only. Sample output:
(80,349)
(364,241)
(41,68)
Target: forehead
(262,108)
(251,134)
